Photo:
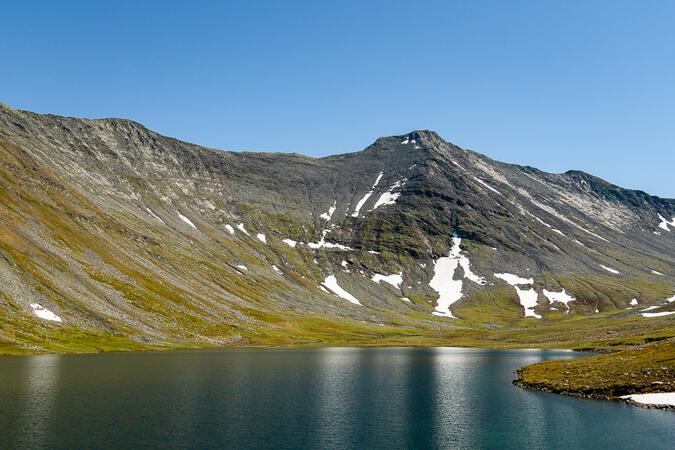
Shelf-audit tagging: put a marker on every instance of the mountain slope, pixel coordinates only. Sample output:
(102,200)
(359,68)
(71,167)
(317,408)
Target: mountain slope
(132,239)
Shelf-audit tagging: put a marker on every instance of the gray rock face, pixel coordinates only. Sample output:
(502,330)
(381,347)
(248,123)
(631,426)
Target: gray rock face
(117,229)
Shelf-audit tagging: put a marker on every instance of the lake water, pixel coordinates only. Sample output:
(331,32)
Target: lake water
(306,398)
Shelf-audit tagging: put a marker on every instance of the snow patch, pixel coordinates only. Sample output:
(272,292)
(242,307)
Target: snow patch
(562,297)
(665,224)
(656,272)
(261,237)
(331,283)
(186,220)
(242,267)
(277,270)
(388,198)
(290,242)
(528,298)
(668,300)
(634,302)
(394,279)
(609,269)
(323,244)
(658,314)
(44,313)
(229,228)
(655,398)
(450,290)
(513,280)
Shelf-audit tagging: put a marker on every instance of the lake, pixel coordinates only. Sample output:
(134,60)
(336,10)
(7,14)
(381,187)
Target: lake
(306,398)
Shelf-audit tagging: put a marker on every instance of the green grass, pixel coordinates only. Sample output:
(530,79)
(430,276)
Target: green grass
(644,369)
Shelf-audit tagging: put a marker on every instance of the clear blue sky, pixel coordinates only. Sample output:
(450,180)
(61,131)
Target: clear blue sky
(558,85)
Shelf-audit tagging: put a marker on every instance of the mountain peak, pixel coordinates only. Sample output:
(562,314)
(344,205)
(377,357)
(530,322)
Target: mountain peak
(166,241)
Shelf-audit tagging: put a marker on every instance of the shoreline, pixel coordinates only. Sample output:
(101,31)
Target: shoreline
(590,396)
(301,346)
(645,369)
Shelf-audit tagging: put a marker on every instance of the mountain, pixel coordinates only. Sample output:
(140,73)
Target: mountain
(115,237)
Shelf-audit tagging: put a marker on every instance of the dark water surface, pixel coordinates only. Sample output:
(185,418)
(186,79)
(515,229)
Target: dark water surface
(306,398)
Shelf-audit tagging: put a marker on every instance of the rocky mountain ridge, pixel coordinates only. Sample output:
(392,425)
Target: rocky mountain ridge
(133,238)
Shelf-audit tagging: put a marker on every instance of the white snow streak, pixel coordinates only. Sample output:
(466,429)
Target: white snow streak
(609,269)
(457,164)
(365,198)
(487,185)
(332,284)
(241,228)
(327,216)
(186,220)
(154,215)
(229,228)
(261,237)
(658,314)
(379,177)
(323,244)
(589,232)
(513,279)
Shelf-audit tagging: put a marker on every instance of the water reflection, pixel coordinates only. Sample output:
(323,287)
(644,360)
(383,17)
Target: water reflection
(452,370)
(41,378)
(304,398)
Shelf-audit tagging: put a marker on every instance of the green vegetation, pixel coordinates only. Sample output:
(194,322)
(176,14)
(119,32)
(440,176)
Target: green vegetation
(645,368)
